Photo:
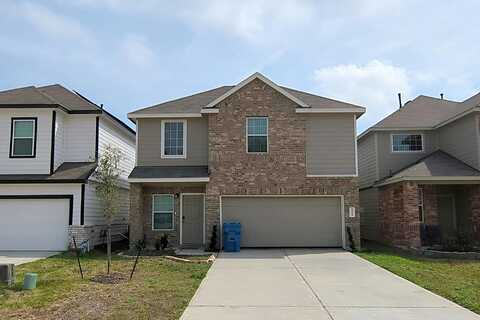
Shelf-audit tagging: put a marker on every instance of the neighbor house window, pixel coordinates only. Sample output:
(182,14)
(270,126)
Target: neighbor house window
(257,134)
(23,137)
(421,210)
(407,142)
(162,212)
(174,139)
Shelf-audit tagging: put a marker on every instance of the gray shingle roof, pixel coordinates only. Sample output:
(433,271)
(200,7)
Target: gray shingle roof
(436,164)
(195,103)
(169,172)
(67,172)
(52,95)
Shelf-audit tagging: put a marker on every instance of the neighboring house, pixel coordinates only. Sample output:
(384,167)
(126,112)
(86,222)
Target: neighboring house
(50,140)
(280,161)
(419,174)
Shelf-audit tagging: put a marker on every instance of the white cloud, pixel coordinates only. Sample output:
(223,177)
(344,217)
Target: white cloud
(136,50)
(374,85)
(252,20)
(51,23)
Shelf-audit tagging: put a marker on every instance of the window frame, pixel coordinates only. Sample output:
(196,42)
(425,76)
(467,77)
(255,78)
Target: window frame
(407,134)
(153,211)
(34,137)
(421,204)
(162,142)
(247,135)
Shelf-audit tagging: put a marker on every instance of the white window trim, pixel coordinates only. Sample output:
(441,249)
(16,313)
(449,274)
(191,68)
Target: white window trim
(162,143)
(407,151)
(255,135)
(153,211)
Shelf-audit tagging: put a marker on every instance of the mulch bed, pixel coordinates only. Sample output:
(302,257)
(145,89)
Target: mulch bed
(112,278)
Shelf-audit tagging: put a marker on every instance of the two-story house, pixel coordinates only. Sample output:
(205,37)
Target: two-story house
(419,174)
(281,162)
(50,141)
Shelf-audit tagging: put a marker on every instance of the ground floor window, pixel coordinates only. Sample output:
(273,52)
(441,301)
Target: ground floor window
(162,212)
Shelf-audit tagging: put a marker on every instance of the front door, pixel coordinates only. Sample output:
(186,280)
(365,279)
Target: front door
(192,220)
(447,215)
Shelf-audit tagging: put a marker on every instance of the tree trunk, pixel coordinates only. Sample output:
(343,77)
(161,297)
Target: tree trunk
(109,247)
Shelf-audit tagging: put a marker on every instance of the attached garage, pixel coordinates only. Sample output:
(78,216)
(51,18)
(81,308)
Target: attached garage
(289,221)
(34,223)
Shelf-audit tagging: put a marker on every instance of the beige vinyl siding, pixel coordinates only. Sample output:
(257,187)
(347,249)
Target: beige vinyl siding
(369,213)
(389,161)
(149,141)
(367,160)
(460,139)
(41,163)
(330,144)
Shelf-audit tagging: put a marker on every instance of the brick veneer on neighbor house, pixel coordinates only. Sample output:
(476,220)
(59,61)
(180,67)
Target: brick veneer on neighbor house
(282,171)
(399,222)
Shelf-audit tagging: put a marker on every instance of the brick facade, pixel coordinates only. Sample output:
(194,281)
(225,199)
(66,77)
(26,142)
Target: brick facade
(282,171)
(398,214)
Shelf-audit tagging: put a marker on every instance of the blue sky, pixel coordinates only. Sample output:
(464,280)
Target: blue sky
(130,54)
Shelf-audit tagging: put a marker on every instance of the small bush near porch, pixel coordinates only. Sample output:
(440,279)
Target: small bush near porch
(456,280)
(160,289)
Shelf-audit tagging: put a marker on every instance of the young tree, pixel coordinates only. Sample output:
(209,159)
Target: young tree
(108,190)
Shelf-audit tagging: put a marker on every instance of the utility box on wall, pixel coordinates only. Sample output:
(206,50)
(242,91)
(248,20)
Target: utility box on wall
(7,274)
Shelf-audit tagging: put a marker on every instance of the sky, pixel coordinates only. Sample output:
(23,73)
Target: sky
(129,54)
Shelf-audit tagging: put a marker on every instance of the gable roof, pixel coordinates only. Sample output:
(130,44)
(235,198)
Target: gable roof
(438,165)
(256,75)
(54,96)
(425,113)
(206,101)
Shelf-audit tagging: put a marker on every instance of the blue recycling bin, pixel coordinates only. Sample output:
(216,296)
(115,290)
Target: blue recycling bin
(231,236)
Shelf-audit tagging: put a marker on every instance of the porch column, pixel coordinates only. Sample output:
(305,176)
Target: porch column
(136,213)
(410,214)
(474,203)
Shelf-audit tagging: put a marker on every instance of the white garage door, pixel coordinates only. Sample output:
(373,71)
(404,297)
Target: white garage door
(286,221)
(34,224)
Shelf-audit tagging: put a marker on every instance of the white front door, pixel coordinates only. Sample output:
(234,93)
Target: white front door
(34,224)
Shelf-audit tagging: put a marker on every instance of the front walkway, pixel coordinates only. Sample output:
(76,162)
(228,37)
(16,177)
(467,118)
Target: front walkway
(21,257)
(312,284)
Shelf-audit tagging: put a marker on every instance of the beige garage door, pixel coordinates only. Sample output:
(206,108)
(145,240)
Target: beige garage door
(286,221)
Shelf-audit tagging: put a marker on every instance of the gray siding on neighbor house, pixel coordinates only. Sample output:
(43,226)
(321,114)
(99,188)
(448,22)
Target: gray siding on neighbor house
(389,161)
(149,142)
(330,144)
(460,139)
(369,213)
(367,160)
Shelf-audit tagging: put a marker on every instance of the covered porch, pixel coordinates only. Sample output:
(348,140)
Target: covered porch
(434,203)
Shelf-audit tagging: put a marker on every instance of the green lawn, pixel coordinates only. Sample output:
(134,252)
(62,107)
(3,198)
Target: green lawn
(160,289)
(456,280)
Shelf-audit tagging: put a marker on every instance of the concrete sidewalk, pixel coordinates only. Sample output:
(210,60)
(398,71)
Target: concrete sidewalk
(21,257)
(312,284)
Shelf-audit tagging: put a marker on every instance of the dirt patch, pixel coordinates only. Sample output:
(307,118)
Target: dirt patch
(112,278)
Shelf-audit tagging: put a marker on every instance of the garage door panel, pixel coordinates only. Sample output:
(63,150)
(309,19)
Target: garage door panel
(34,224)
(286,221)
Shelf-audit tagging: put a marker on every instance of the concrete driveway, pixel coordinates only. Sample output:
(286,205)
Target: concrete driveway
(312,284)
(20,257)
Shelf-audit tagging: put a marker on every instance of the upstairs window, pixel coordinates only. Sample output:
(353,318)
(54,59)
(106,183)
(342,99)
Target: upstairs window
(23,137)
(174,139)
(407,143)
(257,135)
